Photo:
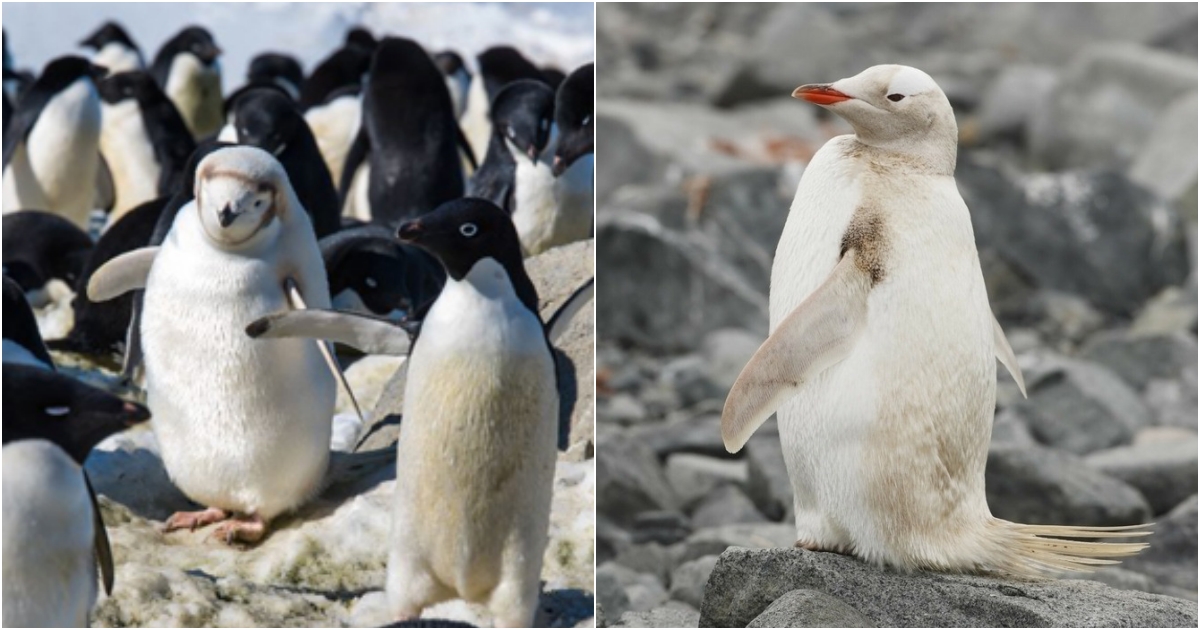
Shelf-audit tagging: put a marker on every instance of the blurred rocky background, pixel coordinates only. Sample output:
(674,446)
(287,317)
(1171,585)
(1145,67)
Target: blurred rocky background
(1078,159)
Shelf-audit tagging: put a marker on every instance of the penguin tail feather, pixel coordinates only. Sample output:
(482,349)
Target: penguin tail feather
(1036,550)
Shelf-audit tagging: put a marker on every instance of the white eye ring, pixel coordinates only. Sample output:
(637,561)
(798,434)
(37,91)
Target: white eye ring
(370,282)
(586,119)
(57,412)
(468,229)
(512,133)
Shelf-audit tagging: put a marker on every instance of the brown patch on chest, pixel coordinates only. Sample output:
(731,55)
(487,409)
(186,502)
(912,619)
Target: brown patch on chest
(867,235)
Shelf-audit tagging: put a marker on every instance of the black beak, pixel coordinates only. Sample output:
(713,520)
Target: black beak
(226,216)
(98,72)
(411,231)
(560,166)
(209,53)
(135,413)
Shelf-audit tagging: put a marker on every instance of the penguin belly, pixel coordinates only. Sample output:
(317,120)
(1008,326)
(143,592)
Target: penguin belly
(535,212)
(334,125)
(196,92)
(130,155)
(49,169)
(477,459)
(244,425)
(576,201)
(476,125)
(50,578)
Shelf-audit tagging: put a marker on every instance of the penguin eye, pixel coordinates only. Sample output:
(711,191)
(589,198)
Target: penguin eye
(586,119)
(512,133)
(370,282)
(468,229)
(57,412)
(895,98)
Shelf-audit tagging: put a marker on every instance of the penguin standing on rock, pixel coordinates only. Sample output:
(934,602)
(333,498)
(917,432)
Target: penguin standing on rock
(189,72)
(54,538)
(52,143)
(114,49)
(881,362)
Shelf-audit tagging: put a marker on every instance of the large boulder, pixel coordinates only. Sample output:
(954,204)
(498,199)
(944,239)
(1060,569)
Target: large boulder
(745,583)
(1164,472)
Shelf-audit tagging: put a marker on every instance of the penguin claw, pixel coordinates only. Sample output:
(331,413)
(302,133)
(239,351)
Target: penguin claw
(191,520)
(241,529)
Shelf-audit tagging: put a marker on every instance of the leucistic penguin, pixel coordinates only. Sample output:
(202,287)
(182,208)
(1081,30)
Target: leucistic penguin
(881,362)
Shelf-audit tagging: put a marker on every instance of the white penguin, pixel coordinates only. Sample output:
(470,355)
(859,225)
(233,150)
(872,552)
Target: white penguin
(244,425)
(54,538)
(52,143)
(880,363)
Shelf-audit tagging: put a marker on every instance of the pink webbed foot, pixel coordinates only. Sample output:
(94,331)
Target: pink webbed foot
(241,529)
(191,520)
(812,546)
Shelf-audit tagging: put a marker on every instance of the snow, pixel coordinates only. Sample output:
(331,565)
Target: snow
(549,33)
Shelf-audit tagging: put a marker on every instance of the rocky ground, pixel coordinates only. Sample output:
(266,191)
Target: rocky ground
(325,565)
(1078,160)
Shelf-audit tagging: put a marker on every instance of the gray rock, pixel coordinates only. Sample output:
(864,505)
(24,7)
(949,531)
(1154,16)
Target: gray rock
(726,505)
(1013,99)
(1167,164)
(642,591)
(610,593)
(746,582)
(700,434)
(1139,359)
(769,485)
(803,608)
(1042,486)
(1174,401)
(1127,580)
(726,352)
(1093,234)
(687,581)
(715,540)
(688,376)
(694,476)
(1010,429)
(1172,310)
(1082,407)
(629,480)
(1107,104)
(622,409)
(651,558)
(637,163)
(672,615)
(1164,472)
(1171,557)
(664,527)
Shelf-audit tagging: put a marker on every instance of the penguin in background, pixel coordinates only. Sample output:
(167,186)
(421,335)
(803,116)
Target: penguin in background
(574,145)
(40,247)
(114,49)
(553,77)
(267,119)
(144,140)
(345,66)
(52,143)
(22,340)
(334,123)
(277,69)
(512,176)
(498,66)
(409,133)
(458,78)
(188,70)
(54,536)
(372,274)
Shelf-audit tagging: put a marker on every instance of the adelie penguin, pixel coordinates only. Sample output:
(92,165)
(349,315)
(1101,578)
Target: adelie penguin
(458,78)
(277,69)
(40,247)
(267,119)
(573,164)
(370,273)
(481,419)
(346,66)
(498,66)
(189,72)
(52,143)
(409,133)
(114,49)
(144,140)
(512,176)
(54,538)
(334,123)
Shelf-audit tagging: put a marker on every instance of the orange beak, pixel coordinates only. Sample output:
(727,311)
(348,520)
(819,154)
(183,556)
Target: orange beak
(821,94)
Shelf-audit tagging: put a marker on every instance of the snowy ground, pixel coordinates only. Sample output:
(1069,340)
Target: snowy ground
(557,34)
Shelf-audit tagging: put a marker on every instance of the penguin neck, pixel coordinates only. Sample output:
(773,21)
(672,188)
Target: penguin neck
(495,279)
(498,152)
(936,151)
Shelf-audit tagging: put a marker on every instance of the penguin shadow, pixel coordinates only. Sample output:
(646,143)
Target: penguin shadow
(568,394)
(136,479)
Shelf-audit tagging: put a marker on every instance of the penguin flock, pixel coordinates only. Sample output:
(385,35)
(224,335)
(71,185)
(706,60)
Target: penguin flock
(214,247)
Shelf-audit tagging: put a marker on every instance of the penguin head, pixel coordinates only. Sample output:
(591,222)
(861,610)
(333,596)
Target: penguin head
(241,194)
(521,114)
(40,404)
(574,114)
(277,69)
(64,71)
(137,85)
(197,41)
(108,33)
(266,118)
(361,38)
(896,107)
(450,63)
(462,232)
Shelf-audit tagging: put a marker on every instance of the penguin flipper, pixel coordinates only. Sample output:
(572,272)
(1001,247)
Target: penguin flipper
(104,557)
(464,145)
(122,274)
(1004,353)
(359,149)
(818,334)
(562,318)
(297,302)
(368,334)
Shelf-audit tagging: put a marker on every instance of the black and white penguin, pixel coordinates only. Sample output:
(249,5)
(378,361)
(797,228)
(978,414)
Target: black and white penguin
(22,340)
(334,123)
(189,72)
(51,145)
(553,77)
(40,247)
(345,66)
(267,119)
(410,134)
(278,69)
(458,78)
(573,148)
(114,49)
(144,140)
(371,273)
(498,66)
(54,538)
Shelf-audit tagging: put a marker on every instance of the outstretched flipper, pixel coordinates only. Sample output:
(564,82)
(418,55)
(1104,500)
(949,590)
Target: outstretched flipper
(297,302)
(121,274)
(1004,353)
(818,334)
(104,557)
(562,318)
(361,332)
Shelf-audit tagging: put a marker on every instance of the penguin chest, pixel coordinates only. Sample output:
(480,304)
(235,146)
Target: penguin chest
(61,150)
(196,91)
(535,205)
(130,155)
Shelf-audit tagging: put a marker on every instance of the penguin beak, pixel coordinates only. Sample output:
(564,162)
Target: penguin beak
(411,231)
(98,72)
(560,165)
(820,94)
(135,414)
(532,152)
(227,216)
